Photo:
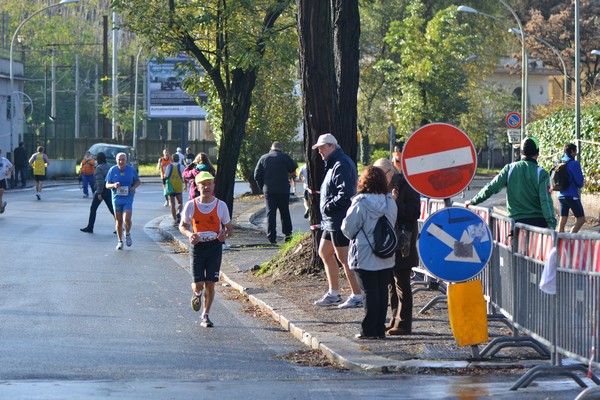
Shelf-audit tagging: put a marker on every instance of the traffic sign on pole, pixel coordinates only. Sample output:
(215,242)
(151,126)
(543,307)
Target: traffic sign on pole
(439,160)
(513,120)
(455,244)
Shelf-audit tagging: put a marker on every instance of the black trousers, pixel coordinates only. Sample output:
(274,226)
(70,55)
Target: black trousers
(401,299)
(374,285)
(107,198)
(281,202)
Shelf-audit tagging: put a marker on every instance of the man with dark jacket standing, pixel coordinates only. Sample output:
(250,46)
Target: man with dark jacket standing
(20,155)
(272,175)
(337,189)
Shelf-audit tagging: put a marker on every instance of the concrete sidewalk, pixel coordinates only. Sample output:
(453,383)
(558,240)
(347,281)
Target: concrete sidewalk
(330,331)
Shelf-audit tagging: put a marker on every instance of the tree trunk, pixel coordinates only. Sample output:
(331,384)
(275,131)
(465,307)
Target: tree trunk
(329,86)
(346,35)
(233,129)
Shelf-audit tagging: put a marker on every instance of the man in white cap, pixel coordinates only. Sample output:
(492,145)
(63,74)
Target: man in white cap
(181,156)
(337,189)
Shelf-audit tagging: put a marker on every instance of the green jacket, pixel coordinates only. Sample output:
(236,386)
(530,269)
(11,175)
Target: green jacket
(527,191)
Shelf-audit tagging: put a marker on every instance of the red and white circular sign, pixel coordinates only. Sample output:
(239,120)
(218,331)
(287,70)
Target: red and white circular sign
(439,160)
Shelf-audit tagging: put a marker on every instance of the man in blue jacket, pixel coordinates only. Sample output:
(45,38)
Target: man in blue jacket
(272,176)
(569,198)
(337,190)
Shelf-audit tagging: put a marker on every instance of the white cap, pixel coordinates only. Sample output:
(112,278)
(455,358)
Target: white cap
(326,138)
(179,149)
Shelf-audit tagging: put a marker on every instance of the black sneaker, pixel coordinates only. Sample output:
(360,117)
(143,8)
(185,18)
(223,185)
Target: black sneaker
(206,322)
(306,213)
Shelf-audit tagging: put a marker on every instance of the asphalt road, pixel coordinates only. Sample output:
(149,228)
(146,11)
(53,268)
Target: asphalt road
(79,319)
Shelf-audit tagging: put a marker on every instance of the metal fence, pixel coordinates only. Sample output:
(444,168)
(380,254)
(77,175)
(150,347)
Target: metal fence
(561,325)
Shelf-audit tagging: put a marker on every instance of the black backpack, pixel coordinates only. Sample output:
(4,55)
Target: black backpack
(384,237)
(559,176)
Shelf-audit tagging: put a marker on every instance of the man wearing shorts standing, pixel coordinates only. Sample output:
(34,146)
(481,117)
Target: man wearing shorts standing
(569,197)
(39,163)
(205,221)
(122,179)
(337,189)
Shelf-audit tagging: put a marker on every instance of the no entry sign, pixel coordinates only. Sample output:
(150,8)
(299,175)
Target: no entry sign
(439,160)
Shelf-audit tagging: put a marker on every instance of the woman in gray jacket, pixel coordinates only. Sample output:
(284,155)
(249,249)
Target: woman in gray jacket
(371,202)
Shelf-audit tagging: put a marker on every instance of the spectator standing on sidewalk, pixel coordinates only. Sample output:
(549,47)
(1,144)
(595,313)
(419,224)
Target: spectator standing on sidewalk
(371,202)
(303,177)
(6,168)
(39,162)
(569,198)
(101,194)
(163,162)
(337,190)
(528,198)
(87,174)
(409,209)
(123,180)
(272,176)
(206,222)
(20,155)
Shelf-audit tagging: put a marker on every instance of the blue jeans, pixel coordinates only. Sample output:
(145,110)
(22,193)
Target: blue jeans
(88,180)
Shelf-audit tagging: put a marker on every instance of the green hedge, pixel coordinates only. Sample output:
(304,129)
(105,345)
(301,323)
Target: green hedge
(558,129)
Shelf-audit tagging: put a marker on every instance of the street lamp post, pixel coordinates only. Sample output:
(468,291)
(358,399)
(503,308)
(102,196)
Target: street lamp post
(524,60)
(562,61)
(12,43)
(135,97)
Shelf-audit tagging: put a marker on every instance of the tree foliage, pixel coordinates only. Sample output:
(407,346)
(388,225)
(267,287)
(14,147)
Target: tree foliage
(229,40)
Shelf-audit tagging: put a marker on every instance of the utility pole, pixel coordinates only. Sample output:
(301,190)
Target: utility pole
(105,71)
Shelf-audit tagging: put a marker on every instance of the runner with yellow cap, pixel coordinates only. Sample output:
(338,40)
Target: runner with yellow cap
(206,222)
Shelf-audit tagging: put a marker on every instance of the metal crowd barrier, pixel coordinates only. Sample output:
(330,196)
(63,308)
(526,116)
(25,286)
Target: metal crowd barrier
(577,320)
(564,325)
(422,280)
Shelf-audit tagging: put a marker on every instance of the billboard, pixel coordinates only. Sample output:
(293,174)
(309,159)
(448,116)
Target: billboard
(166,97)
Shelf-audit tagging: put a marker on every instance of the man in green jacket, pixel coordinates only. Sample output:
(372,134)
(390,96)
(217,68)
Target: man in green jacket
(528,193)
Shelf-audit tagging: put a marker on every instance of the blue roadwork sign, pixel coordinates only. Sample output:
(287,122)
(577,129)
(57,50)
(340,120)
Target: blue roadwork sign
(455,244)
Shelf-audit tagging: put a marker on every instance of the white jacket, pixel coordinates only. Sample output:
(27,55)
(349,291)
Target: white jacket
(364,213)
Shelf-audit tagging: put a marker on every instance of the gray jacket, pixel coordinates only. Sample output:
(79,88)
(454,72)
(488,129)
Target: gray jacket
(364,213)
(100,177)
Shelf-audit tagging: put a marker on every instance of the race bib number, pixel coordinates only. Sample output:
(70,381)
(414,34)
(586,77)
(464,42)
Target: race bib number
(206,236)
(123,191)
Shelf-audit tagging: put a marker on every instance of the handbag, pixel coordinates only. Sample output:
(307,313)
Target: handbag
(404,239)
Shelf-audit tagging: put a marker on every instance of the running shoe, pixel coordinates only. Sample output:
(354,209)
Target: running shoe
(352,302)
(128,241)
(3,207)
(39,196)
(197,302)
(329,300)
(119,245)
(207,323)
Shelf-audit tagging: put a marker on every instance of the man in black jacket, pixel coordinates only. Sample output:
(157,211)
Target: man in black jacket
(272,175)
(21,164)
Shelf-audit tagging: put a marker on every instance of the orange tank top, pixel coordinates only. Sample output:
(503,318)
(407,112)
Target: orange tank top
(163,166)
(209,222)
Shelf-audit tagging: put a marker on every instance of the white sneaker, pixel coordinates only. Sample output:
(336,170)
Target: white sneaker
(352,302)
(166,204)
(128,241)
(119,245)
(329,300)
(39,196)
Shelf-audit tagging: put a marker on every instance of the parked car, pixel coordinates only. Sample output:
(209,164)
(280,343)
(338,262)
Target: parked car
(111,150)
(171,83)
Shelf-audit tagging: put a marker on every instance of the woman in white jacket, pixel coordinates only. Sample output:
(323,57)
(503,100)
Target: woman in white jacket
(371,202)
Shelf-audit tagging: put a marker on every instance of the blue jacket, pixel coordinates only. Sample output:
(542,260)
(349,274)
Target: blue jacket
(575,178)
(337,189)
